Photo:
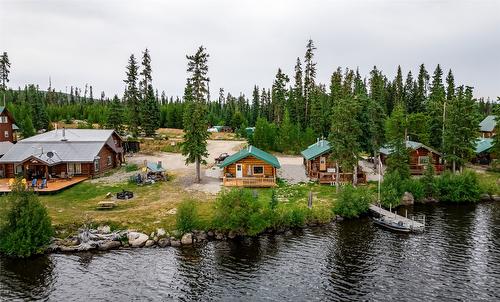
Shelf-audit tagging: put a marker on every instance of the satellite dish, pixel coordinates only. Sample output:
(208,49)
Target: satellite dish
(50,154)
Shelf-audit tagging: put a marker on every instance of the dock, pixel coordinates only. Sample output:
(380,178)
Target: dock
(415,223)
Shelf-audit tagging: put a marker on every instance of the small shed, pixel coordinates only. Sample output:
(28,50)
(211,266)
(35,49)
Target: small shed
(155,171)
(250,167)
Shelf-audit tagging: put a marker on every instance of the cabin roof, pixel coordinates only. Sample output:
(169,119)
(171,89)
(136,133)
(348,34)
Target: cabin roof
(319,148)
(484,145)
(5,146)
(79,145)
(410,145)
(488,124)
(251,151)
(155,167)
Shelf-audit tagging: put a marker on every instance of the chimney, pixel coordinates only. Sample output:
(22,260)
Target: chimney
(317,141)
(64,134)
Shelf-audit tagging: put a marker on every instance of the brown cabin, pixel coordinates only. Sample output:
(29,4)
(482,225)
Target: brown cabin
(320,167)
(8,127)
(250,167)
(64,153)
(420,155)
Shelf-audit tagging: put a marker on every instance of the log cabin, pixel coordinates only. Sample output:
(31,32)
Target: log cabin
(250,167)
(8,128)
(321,168)
(420,155)
(487,127)
(63,153)
(484,151)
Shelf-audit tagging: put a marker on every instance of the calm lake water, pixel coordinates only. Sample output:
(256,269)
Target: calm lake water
(457,258)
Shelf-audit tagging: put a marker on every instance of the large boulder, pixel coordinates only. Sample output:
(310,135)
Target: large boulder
(136,239)
(149,243)
(175,243)
(109,245)
(407,199)
(160,232)
(187,239)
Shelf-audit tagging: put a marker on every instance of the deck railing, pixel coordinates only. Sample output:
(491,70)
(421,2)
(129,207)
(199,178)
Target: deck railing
(329,177)
(249,182)
(420,169)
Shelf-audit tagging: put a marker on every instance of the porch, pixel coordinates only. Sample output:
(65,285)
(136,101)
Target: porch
(249,182)
(420,169)
(329,177)
(53,186)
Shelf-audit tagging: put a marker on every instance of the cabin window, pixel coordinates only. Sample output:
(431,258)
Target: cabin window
(97,165)
(74,168)
(258,170)
(3,119)
(110,160)
(423,160)
(19,169)
(6,134)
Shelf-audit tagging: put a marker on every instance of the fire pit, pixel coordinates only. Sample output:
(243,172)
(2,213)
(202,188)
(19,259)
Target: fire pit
(124,195)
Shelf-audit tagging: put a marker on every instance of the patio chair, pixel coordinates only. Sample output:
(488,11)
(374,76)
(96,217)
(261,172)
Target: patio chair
(11,182)
(43,185)
(63,175)
(33,182)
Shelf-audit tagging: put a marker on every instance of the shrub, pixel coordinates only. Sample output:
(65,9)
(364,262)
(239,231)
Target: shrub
(352,202)
(429,182)
(26,229)
(131,167)
(489,186)
(392,189)
(187,218)
(463,187)
(238,210)
(415,187)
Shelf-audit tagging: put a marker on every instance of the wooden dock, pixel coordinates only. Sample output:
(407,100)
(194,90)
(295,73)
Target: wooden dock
(416,224)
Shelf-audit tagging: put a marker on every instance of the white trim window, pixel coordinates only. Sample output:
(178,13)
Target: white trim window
(423,160)
(4,119)
(74,168)
(110,160)
(97,165)
(6,133)
(258,170)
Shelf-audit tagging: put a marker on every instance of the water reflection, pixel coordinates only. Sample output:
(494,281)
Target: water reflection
(26,279)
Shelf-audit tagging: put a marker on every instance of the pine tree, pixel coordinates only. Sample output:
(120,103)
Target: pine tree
(398,160)
(298,107)
(377,88)
(450,86)
(279,96)
(461,126)
(255,105)
(409,94)
(344,137)
(194,146)
(421,94)
(115,115)
(132,97)
(435,108)
(286,141)
(398,91)
(4,73)
(309,77)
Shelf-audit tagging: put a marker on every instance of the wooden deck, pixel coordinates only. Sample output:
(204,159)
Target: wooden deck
(249,182)
(52,186)
(415,226)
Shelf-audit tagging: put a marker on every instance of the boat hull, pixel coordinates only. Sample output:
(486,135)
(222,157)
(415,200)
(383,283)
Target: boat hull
(391,226)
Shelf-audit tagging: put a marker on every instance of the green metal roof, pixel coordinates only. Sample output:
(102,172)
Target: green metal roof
(251,151)
(484,145)
(2,108)
(410,145)
(155,168)
(488,124)
(316,149)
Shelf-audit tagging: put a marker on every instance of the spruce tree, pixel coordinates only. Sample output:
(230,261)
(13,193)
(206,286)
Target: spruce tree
(309,77)
(114,119)
(461,127)
(255,105)
(298,106)
(398,91)
(377,88)
(398,160)
(4,73)
(344,137)
(450,86)
(409,93)
(435,107)
(279,96)
(421,93)
(194,146)
(132,97)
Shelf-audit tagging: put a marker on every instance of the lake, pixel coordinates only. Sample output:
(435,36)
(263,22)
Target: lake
(457,258)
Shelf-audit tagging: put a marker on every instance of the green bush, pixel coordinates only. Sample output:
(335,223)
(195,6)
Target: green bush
(352,202)
(428,181)
(415,187)
(489,186)
(463,187)
(392,189)
(131,167)
(25,228)
(187,218)
(238,210)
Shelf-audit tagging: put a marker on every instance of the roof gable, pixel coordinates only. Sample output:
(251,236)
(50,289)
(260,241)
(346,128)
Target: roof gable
(251,151)
(410,145)
(484,145)
(488,124)
(319,148)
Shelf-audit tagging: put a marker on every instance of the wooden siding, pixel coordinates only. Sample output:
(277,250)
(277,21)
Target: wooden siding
(314,171)
(6,127)
(267,179)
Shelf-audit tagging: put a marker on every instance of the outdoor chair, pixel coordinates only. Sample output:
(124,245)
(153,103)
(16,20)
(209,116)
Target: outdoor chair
(43,185)
(33,182)
(11,182)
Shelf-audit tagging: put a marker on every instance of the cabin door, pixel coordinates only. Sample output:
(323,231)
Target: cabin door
(322,163)
(239,170)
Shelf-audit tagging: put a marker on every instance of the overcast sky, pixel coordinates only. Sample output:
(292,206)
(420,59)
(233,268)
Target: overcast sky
(79,42)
